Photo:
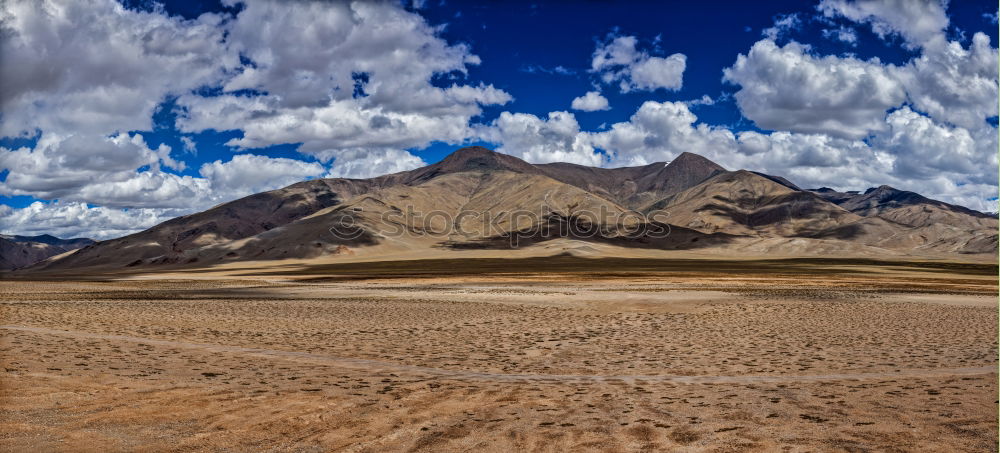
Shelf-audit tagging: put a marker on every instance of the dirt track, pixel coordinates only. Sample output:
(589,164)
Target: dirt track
(375,366)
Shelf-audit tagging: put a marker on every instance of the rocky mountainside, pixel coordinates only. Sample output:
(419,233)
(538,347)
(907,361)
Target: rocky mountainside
(747,203)
(21,251)
(634,187)
(913,209)
(476,198)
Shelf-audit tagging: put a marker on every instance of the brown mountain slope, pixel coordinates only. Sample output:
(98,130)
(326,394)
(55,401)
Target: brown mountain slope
(935,238)
(833,196)
(902,220)
(21,251)
(475,192)
(241,219)
(684,172)
(227,222)
(745,203)
(452,209)
(913,209)
(611,183)
(634,187)
(472,158)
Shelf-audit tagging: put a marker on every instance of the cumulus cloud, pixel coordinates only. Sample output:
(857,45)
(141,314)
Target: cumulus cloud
(591,102)
(248,173)
(812,160)
(78,76)
(359,84)
(916,21)
(367,162)
(350,82)
(76,219)
(913,153)
(90,66)
(101,170)
(922,149)
(787,88)
(659,131)
(953,87)
(106,171)
(618,60)
(556,138)
(925,122)
(954,84)
(358,77)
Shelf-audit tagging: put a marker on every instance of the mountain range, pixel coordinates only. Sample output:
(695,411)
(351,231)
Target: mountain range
(20,251)
(698,203)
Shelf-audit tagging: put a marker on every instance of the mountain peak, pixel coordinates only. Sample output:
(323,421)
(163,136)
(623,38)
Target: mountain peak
(883,189)
(685,171)
(472,158)
(480,158)
(470,151)
(687,160)
(885,197)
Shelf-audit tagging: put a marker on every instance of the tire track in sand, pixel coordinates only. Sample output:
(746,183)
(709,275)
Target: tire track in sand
(378,366)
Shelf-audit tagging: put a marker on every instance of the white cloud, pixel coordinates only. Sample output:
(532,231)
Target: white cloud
(360,83)
(368,162)
(351,82)
(189,144)
(787,88)
(914,153)
(591,102)
(783,24)
(92,66)
(951,83)
(923,149)
(703,100)
(619,61)
(357,77)
(659,131)
(76,219)
(80,167)
(917,21)
(948,151)
(105,172)
(558,69)
(812,160)
(554,139)
(248,173)
(842,34)
(954,84)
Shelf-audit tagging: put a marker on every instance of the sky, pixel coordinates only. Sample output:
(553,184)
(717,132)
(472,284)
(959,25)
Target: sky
(118,115)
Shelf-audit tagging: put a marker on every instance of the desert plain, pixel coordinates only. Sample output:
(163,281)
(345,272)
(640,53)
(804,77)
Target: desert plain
(558,353)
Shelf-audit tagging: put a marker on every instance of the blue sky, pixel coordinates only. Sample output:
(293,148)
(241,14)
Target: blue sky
(231,98)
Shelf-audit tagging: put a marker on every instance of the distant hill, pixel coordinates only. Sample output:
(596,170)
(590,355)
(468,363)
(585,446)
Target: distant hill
(21,251)
(703,205)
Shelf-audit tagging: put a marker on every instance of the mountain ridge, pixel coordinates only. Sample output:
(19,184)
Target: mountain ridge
(699,196)
(19,251)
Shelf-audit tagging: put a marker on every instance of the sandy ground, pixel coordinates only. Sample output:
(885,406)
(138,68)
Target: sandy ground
(867,359)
